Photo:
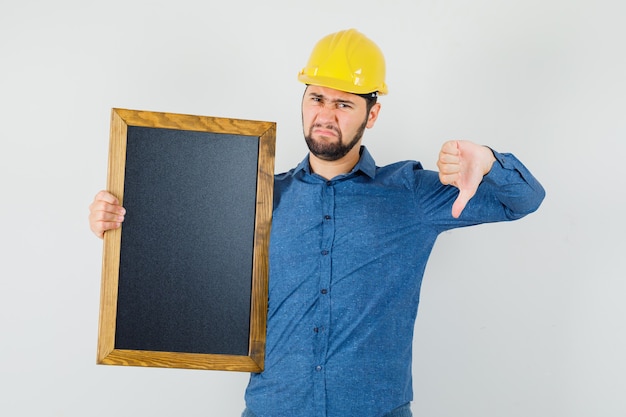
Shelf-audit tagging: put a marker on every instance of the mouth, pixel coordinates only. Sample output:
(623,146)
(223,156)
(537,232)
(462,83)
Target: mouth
(325,131)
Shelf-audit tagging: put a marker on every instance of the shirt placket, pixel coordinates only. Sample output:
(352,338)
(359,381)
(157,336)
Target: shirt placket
(322,327)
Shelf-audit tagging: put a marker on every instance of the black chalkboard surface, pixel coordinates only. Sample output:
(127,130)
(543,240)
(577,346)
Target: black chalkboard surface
(185,278)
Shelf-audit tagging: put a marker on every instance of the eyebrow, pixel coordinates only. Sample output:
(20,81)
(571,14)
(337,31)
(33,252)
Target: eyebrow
(338,100)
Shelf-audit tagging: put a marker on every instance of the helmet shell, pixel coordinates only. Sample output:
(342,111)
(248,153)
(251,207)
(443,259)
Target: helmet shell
(346,61)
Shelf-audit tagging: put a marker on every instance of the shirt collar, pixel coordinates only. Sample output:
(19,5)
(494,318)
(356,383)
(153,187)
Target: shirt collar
(366,165)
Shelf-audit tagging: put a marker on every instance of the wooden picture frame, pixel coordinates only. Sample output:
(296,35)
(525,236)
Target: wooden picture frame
(168,264)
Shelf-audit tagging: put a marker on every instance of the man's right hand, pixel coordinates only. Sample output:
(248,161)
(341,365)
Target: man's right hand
(105,213)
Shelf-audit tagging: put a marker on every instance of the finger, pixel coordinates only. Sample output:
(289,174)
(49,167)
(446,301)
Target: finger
(448,158)
(448,165)
(106,196)
(113,209)
(448,169)
(109,225)
(448,179)
(106,216)
(461,201)
(99,228)
(103,206)
(450,147)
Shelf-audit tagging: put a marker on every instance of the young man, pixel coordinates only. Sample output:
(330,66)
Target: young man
(350,241)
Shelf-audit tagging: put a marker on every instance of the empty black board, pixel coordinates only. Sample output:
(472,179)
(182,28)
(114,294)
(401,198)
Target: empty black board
(187,242)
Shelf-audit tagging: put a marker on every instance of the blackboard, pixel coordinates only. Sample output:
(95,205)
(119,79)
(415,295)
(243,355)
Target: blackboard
(184,280)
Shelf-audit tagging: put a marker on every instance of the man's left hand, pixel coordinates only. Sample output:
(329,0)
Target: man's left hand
(463,164)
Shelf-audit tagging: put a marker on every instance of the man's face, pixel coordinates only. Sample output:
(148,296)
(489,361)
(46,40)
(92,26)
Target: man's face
(333,121)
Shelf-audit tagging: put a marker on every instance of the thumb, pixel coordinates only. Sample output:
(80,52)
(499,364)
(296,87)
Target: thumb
(461,201)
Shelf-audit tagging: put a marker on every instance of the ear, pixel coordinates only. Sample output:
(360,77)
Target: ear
(373,116)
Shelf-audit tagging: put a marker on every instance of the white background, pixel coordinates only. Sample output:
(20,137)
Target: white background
(517,319)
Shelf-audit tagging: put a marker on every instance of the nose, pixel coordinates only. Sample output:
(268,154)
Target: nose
(325,114)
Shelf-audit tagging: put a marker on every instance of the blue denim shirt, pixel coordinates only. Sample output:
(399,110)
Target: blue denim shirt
(346,263)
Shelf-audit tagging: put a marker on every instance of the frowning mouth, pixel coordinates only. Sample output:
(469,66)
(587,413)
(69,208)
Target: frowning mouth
(329,131)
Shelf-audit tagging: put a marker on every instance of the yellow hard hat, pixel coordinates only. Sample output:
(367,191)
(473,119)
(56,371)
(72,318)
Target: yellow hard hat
(346,61)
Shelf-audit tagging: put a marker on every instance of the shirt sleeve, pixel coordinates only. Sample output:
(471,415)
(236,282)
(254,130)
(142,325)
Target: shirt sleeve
(508,192)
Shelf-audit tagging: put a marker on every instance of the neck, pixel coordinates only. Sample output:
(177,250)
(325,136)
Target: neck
(331,169)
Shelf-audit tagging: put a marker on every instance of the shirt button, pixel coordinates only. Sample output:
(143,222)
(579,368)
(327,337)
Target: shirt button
(324,252)
(316,329)
(324,291)
(327,217)
(329,183)
(318,368)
